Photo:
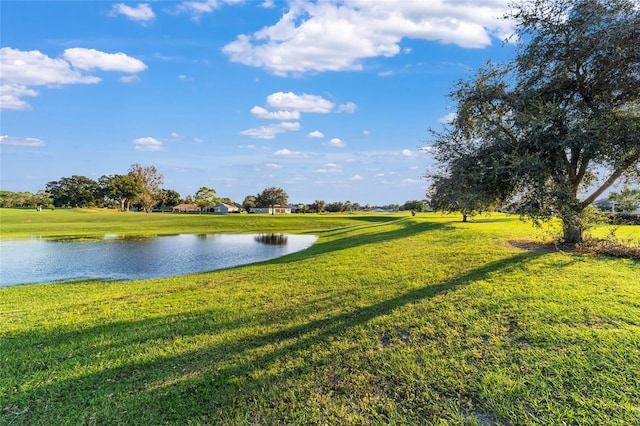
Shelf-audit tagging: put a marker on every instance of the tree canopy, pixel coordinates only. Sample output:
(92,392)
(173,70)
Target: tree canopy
(74,191)
(548,132)
(150,180)
(271,197)
(205,197)
(122,189)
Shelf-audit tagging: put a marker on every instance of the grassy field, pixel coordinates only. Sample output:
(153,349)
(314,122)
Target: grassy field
(387,319)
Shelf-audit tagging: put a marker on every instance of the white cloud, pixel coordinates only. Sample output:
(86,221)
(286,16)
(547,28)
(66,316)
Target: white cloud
(387,73)
(339,35)
(449,118)
(141,13)
(16,141)
(87,59)
(302,103)
(287,153)
(366,132)
(316,134)
(336,142)
(270,132)
(10,97)
(197,8)
(275,115)
(33,68)
(21,69)
(147,144)
(349,108)
(410,181)
(356,177)
(273,166)
(329,168)
(129,78)
(407,153)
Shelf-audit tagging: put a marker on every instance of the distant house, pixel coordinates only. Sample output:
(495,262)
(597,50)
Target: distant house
(274,210)
(186,208)
(225,208)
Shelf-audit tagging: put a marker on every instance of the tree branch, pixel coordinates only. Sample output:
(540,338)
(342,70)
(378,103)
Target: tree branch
(611,180)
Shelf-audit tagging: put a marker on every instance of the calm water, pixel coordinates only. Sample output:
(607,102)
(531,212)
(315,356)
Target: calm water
(39,260)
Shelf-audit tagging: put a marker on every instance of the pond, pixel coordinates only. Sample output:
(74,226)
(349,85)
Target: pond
(39,260)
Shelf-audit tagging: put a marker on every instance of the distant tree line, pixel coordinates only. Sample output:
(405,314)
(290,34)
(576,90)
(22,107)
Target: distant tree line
(141,189)
(24,199)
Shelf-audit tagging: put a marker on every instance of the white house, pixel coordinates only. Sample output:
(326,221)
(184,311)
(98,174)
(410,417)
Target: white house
(274,210)
(224,208)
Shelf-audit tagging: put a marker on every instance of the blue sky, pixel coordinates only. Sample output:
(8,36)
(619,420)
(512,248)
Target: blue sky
(329,100)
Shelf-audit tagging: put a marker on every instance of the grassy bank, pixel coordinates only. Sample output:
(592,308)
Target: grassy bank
(385,320)
(20,223)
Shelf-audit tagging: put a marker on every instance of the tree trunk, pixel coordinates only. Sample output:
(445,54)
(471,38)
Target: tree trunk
(464,217)
(572,233)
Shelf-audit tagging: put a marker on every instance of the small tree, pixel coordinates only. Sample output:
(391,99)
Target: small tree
(271,197)
(205,197)
(151,181)
(249,202)
(318,206)
(168,198)
(415,205)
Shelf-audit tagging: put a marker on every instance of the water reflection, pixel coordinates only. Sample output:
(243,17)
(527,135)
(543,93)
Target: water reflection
(272,239)
(125,258)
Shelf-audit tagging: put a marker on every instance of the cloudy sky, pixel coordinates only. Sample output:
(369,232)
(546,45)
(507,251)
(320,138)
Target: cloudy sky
(329,100)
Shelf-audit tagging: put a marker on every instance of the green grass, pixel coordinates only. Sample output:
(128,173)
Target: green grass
(387,319)
(20,223)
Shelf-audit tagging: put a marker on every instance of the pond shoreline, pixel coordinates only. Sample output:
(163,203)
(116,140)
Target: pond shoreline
(116,257)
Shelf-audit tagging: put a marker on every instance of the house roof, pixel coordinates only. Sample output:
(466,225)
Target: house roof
(186,206)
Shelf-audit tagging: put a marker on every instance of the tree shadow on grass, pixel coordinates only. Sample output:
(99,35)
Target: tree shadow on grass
(213,383)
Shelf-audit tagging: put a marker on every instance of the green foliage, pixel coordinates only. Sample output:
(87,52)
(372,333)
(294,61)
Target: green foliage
(271,197)
(74,191)
(150,179)
(25,199)
(168,198)
(249,202)
(387,319)
(535,132)
(415,205)
(205,197)
(627,200)
(122,189)
(318,206)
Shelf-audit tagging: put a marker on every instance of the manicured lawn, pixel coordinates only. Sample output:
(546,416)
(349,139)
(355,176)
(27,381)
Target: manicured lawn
(387,319)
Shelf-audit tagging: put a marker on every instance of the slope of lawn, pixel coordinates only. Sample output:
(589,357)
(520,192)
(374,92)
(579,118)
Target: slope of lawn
(387,319)
(21,223)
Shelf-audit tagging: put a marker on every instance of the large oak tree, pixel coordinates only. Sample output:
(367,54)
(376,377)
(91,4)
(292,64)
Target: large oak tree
(553,129)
